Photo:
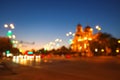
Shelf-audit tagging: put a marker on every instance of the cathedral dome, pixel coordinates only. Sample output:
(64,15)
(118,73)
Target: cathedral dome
(87,29)
(79,28)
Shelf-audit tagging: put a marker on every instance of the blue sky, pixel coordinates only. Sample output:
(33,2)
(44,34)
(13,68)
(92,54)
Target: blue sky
(42,21)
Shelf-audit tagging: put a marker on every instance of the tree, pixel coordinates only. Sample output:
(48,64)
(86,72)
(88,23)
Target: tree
(105,42)
(5,44)
(14,51)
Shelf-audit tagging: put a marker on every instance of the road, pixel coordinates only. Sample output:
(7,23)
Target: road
(93,68)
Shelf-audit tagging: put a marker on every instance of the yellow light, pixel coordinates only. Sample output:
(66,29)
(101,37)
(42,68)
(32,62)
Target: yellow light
(99,29)
(72,42)
(91,29)
(89,38)
(79,39)
(10,36)
(21,51)
(85,46)
(80,47)
(117,50)
(102,50)
(85,38)
(118,41)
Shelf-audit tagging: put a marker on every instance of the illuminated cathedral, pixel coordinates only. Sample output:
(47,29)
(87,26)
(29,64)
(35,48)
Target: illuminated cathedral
(80,41)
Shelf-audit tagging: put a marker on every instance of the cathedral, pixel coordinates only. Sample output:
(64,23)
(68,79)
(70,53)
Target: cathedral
(80,42)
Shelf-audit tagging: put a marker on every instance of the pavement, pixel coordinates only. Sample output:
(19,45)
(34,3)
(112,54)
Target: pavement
(96,68)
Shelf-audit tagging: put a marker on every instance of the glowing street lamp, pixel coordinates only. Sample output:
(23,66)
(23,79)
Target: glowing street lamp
(58,40)
(98,28)
(118,41)
(96,50)
(9,33)
(11,26)
(13,36)
(70,41)
(70,34)
(102,50)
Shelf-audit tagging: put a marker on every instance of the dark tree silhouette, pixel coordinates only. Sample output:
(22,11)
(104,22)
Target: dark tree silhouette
(5,44)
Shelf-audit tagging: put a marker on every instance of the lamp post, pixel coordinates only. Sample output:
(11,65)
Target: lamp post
(11,26)
(10,33)
(71,35)
(98,28)
(58,41)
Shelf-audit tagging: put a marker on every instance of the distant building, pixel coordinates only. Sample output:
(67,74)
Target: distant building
(81,38)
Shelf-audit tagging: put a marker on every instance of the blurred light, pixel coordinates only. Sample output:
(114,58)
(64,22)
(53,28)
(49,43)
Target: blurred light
(67,34)
(102,50)
(117,50)
(56,40)
(9,33)
(7,52)
(85,45)
(85,38)
(9,55)
(98,28)
(91,29)
(96,50)
(79,39)
(90,39)
(4,53)
(70,33)
(60,40)
(118,41)
(30,52)
(70,41)
(58,45)
(13,36)
(10,36)
(73,34)
(6,26)
(80,47)
(9,26)
(12,26)
(14,45)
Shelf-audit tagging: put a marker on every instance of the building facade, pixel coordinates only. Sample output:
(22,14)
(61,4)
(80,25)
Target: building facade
(80,42)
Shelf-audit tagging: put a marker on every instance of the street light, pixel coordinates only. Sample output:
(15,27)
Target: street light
(98,28)
(118,41)
(10,33)
(11,26)
(70,34)
(70,41)
(58,42)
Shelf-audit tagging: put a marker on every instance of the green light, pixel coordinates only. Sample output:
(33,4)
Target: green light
(30,52)
(70,41)
(9,33)
(7,52)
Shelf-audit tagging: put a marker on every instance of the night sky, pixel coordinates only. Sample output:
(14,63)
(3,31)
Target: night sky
(42,21)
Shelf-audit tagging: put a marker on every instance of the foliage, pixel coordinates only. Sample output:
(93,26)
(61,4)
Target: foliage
(5,44)
(14,51)
(104,41)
